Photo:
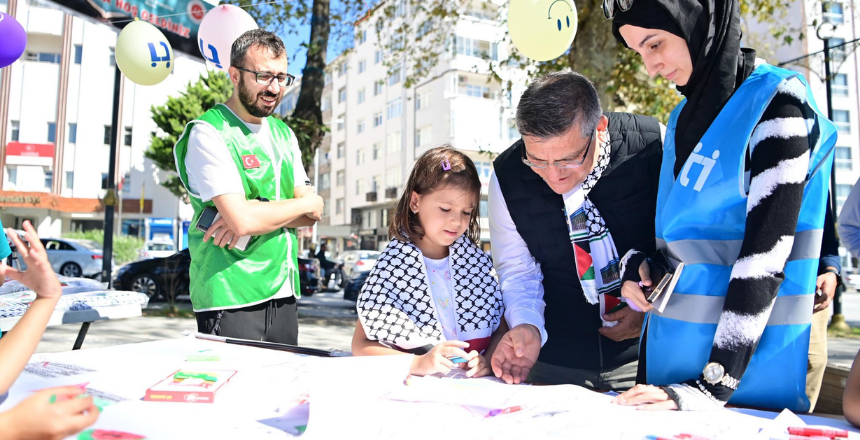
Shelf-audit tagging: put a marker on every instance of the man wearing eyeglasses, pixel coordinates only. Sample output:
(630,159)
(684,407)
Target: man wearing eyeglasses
(566,202)
(232,158)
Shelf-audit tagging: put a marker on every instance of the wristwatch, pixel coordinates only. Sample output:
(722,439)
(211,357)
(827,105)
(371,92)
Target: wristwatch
(714,374)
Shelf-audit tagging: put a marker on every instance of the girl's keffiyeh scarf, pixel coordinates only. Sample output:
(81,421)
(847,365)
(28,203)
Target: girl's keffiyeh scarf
(396,308)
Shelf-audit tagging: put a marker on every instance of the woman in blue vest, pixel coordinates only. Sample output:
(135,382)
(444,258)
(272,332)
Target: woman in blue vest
(743,190)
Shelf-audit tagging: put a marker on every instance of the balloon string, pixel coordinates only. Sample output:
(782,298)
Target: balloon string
(186,13)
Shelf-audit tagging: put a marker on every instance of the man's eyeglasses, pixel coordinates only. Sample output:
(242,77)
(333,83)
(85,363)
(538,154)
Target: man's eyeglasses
(609,7)
(266,78)
(563,164)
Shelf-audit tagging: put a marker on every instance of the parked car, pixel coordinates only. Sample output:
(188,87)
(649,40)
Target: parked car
(157,276)
(355,262)
(72,258)
(309,276)
(353,286)
(156,249)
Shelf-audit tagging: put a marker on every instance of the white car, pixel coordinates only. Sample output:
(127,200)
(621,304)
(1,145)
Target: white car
(358,261)
(73,258)
(157,249)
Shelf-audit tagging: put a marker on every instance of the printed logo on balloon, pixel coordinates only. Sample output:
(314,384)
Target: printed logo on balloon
(542,29)
(143,53)
(219,29)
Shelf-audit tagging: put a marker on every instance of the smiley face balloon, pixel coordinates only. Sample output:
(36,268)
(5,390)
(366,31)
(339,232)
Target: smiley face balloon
(542,29)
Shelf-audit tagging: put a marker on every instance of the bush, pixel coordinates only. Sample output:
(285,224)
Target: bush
(125,247)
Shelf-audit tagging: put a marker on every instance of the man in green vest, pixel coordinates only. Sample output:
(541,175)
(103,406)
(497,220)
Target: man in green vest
(238,159)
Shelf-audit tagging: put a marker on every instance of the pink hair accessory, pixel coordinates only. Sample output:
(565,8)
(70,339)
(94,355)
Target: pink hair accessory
(446,165)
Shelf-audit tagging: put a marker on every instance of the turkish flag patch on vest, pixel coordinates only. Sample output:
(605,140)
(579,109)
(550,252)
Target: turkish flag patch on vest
(250,161)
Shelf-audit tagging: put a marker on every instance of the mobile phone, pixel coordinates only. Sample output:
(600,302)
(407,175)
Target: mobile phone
(209,216)
(661,287)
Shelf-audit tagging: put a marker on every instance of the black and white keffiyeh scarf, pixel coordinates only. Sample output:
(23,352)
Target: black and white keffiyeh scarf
(396,308)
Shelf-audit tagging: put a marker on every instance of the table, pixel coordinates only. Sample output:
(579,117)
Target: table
(83,317)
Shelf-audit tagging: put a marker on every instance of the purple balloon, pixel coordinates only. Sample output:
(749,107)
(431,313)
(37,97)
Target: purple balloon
(14,39)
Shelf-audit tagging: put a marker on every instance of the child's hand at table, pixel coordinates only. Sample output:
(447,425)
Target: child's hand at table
(436,360)
(478,366)
(49,414)
(39,275)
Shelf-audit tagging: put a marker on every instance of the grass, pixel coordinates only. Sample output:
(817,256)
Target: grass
(853,333)
(172,312)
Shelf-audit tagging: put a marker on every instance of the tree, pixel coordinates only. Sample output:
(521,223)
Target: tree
(172,117)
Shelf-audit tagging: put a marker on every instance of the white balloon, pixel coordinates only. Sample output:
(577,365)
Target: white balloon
(219,29)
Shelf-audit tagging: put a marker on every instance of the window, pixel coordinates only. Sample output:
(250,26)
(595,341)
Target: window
(395,108)
(424,100)
(104,181)
(361,126)
(73,132)
(361,37)
(377,88)
(394,78)
(49,179)
(341,69)
(15,130)
(52,132)
(127,137)
(839,85)
(325,181)
(484,170)
(476,91)
(837,54)
(424,136)
(341,120)
(362,66)
(340,176)
(12,172)
(79,53)
(392,177)
(833,12)
(70,179)
(394,142)
(842,120)
(513,132)
(341,95)
(377,57)
(325,105)
(338,206)
(377,119)
(341,149)
(375,183)
(400,8)
(359,187)
(107,135)
(126,183)
(842,192)
(326,211)
(359,156)
(425,28)
(112,57)
(377,149)
(327,76)
(43,57)
(477,48)
(361,95)
(843,158)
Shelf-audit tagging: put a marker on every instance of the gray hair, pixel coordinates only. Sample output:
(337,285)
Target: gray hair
(551,105)
(255,37)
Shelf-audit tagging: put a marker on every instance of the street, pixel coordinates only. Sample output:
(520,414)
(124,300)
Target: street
(325,321)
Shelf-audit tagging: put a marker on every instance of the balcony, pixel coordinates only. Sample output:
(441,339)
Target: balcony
(370,196)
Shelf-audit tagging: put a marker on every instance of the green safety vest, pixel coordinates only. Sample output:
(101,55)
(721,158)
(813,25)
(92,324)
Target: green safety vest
(221,278)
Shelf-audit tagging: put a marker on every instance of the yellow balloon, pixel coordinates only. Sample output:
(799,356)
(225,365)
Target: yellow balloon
(542,29)
(143,53)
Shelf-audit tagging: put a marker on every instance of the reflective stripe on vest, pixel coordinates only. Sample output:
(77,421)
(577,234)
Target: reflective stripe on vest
(807,244)
(701,309)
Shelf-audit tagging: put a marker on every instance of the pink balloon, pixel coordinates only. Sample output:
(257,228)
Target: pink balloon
(14,39)
(219,29)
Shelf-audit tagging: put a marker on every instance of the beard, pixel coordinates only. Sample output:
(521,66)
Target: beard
(249,100)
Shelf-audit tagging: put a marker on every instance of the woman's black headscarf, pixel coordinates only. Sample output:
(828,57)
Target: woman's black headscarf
(712,31)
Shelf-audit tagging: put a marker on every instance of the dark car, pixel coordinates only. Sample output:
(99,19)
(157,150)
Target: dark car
(159,277)
(353,286)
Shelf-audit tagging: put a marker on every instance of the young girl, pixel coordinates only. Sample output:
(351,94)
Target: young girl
(433,293)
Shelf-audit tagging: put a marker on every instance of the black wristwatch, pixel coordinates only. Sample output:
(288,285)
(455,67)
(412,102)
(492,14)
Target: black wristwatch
(262,199)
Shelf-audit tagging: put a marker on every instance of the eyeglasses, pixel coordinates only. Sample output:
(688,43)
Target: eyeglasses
(266,78)
(562,164)
(609,7)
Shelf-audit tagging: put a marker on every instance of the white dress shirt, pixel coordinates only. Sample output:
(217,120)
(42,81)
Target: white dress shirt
(849,221)
(519,273)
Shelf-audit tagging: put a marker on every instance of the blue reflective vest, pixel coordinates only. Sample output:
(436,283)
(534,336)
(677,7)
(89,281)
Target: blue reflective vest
(701,220)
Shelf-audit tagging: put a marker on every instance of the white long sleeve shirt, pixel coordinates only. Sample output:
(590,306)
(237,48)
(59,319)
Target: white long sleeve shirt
(849,221)
(519,273)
